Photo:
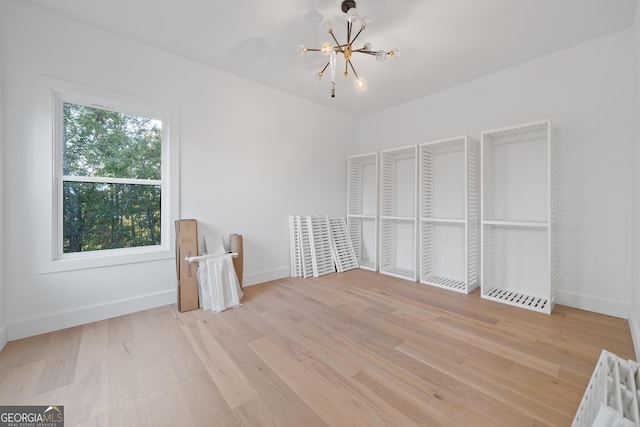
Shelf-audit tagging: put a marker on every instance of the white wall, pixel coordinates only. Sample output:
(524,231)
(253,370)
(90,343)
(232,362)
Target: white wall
(4,336)
(634,318)
(585,91)
(249,157)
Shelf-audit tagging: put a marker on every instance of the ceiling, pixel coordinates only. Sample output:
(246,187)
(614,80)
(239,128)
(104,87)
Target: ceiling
(442,42)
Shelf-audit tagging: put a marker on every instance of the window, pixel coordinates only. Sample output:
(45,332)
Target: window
(113,190)
(111,179)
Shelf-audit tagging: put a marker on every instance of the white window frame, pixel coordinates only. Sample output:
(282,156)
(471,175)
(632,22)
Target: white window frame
(54,93)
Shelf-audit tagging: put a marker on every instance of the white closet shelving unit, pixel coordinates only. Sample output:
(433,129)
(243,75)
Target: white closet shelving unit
(398,212)
(362,208)
(449,216)
(518,238)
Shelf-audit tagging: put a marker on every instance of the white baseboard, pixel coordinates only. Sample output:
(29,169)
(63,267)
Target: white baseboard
(52,322)
(597,305)
(31,326)
(4,337)
(634,326)
(265,276)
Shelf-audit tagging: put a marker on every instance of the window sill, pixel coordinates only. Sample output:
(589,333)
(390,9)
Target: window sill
(106,258)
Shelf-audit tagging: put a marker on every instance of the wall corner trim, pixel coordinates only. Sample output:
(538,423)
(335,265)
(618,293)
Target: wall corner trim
(4,337)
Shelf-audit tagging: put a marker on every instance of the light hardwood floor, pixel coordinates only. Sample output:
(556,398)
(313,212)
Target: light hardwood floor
(356,348)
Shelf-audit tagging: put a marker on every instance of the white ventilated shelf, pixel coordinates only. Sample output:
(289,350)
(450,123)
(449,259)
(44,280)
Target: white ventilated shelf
(448,212)
(322,256)
(444,220)
(295,247)
(402,273)
(362,208)
(518,299)
(300,244)
(400,218)
(320,245)
(517,221)
(344,254)
(363,216)
(523,224)
(446,283)
(398,213)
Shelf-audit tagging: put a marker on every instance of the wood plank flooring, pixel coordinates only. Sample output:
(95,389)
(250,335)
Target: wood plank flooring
(350,349)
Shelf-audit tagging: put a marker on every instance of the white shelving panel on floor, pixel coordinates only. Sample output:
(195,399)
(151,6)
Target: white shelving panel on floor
(320,245)
(398,212)
(362,208)
(517,221)
(299,239)
(295,249)
(344,255)
(449,215)
(612,395)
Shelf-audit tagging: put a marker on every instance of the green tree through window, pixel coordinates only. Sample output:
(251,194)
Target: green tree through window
(111,179)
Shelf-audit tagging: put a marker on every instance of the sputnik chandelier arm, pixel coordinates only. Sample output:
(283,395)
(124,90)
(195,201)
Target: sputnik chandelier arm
(346,49)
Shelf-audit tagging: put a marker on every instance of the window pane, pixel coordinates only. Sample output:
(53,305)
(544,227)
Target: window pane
(108,144)
(109,216)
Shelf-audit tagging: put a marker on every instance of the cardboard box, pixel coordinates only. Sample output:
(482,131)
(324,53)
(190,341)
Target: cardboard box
(187,246)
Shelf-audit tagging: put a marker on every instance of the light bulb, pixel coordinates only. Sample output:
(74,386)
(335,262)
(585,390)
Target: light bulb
(328,26)
(367,47)
(318,76)
(346,74)
(381,55)
(326,48)
(352,15)
(394,54)
(360,84)
(301,49)
(366,22)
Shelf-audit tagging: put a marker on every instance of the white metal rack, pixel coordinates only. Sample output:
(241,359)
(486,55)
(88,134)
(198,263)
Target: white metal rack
(343,252)
(518,236)
(302,263)
(612,395)
(295,249)
(398,212)
(320,245)
(362,208)
(449,256)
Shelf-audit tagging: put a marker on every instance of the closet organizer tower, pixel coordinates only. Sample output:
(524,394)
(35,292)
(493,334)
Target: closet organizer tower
(449,215)
(362,208)
(518,230)
(398,212)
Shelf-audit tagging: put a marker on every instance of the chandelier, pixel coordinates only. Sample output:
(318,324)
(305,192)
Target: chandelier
(346,49)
